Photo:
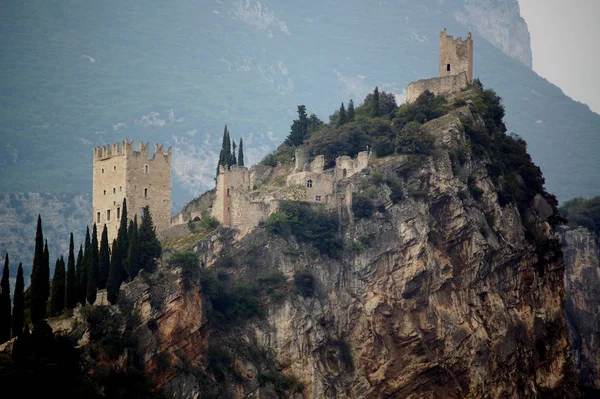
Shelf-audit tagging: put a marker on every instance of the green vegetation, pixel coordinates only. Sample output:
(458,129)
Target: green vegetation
(190,266)
(583,212)
(18,315)
(362,206)
(5,316)
(283,384)
(39,281)
(227,155)
(308,225)
(70,285)
(92,270)
(57,298)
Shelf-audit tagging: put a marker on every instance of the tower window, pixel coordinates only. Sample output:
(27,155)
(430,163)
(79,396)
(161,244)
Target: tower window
(104,192)
(309,183)
(102,170)
(114,190)
(344,172)
(120,188)
(115,167)
(118,213)
(448,67)
(97,217)
(228,194)
(318,198)
(146,169)
(145,193)
(108,215)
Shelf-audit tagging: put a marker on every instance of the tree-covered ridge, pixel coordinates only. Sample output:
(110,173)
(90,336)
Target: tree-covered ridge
(583,212)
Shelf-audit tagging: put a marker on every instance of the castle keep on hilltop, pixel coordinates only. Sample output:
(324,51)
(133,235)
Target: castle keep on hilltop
(121,172)
(240,201)
(456,69)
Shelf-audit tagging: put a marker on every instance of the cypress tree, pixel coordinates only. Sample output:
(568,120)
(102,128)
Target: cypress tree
(240,158)
(86,264)
(133,256)
(233,157)
(351,115)
(19,303)
(79,272)
(225,154)
(57,299)
(123,241)
(149,245)
(46,271)
(114,274)
(342,116)
(71,283)
(103,260)
(38,299)
(92,280)
(5,303)
(298,129)
(375,104)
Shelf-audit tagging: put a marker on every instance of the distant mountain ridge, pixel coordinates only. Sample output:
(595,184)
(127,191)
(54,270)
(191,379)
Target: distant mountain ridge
(76,75)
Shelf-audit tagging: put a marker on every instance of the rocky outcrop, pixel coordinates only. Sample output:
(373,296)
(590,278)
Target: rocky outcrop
(582,286)
(500,22)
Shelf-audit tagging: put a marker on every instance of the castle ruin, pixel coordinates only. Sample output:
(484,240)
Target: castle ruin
(240,202)
(456,69)
(120,173)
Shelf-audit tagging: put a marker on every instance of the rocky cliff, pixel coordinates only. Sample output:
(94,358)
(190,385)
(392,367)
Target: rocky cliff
(582,285)
(499,22)
(442,289)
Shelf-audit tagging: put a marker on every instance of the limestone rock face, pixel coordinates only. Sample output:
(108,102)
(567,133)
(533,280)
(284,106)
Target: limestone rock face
(582,285)
(500,22)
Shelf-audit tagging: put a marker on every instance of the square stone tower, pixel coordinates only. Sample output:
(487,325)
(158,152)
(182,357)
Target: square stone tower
(456,56)
(121,172)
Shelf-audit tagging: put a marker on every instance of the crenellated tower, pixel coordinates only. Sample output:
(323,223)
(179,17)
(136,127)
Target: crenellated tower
(456,56)
(119,171)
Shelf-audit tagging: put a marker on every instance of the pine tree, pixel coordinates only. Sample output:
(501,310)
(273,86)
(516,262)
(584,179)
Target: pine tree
(123,240)
(38,296)
(92,280)
(5,317)
(351,114)
(114,274)
(86,264)
(57,299)
(342,116)
(240,158)
(71,285)
(375,104)
(149,245)
(79,275)
(103,260)
(133,256)
(299,129)
(19,303)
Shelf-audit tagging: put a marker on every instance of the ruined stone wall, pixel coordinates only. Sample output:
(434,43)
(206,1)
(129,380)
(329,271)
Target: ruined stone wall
(456,56)
(246,214)
(121,172)
(445,85)
(318,185)
(346,166)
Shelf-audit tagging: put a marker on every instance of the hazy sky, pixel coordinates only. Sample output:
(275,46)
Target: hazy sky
(564,41)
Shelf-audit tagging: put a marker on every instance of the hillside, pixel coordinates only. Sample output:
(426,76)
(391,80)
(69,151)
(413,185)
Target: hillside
(442,278)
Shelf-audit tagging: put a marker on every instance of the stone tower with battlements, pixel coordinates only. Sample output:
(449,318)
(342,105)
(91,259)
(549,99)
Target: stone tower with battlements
(121,172)
(456,69)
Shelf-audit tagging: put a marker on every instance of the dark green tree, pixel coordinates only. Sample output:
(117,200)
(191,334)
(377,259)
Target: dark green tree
(299,129)
(79,275)
(342,116)
(103,260)
(314,123)
(114,274)
(46,271)
(71,282)
(57,299)
(92,280)
(39,295)
(240,158)
(133,255)
(5,317)
(86,264)
(375,103)
(149,245)
(225,157)
(123,240)
(351,114)
(18,317)
(233,157)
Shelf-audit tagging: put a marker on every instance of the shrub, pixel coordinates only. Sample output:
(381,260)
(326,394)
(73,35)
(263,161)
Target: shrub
(396,190)
(284,385)
(209,222)
(475,191)
(413,140)
(362,206)
(305,283)
(582,212)
(187,260)
(272,283)
(307,225)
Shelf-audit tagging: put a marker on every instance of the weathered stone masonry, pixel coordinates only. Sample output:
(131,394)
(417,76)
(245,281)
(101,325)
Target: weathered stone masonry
(121,172)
